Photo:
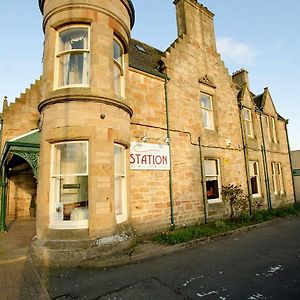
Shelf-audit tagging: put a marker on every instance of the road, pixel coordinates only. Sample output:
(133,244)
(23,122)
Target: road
(262,263)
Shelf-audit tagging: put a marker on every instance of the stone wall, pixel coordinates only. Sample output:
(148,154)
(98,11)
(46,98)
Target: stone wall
(21,188)
(22,115)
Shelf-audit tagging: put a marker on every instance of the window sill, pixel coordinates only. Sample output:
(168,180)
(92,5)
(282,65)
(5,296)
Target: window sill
(212,201)
(121,219)
(86,86)
(83,224)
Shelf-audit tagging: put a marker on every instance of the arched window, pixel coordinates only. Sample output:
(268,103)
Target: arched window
(118,71)
(72,56)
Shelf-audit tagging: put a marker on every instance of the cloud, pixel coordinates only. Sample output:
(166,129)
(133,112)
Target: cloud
(235,52)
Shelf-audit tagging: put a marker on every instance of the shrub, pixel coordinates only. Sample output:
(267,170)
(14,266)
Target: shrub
(237,200)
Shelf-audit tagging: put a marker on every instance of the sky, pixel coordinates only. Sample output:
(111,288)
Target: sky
(261,36)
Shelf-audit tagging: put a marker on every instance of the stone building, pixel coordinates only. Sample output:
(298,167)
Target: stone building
(118,139)
(295,156)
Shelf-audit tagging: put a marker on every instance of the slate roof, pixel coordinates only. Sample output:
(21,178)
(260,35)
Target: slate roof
(147,60)
(258,100)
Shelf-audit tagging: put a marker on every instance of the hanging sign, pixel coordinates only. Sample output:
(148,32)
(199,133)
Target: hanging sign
(144,156)
(296,172)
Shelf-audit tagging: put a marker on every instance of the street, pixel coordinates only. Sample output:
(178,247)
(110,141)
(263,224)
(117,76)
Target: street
(262,263)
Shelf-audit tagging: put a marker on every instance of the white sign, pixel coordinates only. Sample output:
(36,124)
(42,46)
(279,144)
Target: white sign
(144,156)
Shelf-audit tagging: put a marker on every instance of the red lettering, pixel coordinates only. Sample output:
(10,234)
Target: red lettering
(132,159)
(149,159)
(158,159)
(138,157)
(165,160)
(144,159)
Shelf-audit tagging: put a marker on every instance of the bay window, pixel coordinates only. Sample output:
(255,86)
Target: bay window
(69,185)
(118,71)
(73,56)
(120,183)
(207,112)
(212,179)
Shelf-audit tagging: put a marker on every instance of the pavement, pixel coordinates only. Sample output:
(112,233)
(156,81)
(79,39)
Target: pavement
(20,278)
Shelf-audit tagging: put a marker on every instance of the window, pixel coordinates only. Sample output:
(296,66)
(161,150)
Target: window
(120,183)
(274,134)
(212,178)
(248,122)
(277,178)
(268,128)
(207,112)
(69,186)
(72,57)
(254,178)
(140,48)
(119,74)
(274,178)
(280,176)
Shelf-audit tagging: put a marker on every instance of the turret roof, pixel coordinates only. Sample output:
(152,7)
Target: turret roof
(131,12)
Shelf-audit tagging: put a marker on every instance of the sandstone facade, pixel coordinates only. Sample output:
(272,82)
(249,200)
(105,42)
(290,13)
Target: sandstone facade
(183,97)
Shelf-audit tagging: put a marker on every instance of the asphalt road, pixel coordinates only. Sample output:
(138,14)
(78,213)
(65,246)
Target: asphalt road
(263,263)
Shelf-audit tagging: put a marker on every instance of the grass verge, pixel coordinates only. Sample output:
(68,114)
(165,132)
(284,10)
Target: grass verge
(182,235)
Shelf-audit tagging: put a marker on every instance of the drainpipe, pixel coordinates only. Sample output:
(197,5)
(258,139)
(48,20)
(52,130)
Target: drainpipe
(1,133)
(245,150)
(289,150)
(265,162)
(3,201)
(202,181)
(168,139)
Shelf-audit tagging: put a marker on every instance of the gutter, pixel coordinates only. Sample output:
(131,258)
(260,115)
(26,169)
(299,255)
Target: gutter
(168,140)
(203,183)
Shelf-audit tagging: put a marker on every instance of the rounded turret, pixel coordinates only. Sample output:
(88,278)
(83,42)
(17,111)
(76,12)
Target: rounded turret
(83,190)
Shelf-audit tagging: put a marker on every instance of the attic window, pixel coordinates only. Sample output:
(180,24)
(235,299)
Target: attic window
(140,48)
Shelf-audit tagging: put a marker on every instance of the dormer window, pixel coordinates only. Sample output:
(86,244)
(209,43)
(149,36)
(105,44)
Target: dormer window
(140,48)
(119,74)
(72,57)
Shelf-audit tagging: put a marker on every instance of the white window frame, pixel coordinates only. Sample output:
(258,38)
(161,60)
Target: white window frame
(274,132)
(120,90)
(208,111)
(268,127)
(218,175)
(257,176)
(280,176)
(59,54)
(53,222)
(274,178)
(122,217)
(248,123)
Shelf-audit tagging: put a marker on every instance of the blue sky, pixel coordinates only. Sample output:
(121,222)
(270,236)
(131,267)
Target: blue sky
(258,35)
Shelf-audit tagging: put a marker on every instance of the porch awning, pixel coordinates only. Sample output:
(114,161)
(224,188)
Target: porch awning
(26,146)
